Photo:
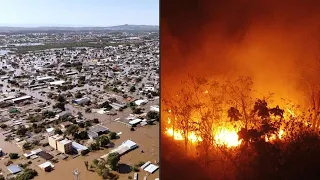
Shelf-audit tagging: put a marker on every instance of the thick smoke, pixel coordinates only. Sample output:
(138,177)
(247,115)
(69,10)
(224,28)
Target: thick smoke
(271,41)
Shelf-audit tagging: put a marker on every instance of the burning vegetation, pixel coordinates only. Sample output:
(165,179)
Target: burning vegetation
(232,124)
(227,120)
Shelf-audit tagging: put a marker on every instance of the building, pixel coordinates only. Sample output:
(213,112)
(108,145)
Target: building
(71,73)
(149,167)
(64,146)
(45,79)
(45,155)
(63,114)
(81,101)
(97,130)
(135,122)
(57,83)
(78,147)
(155,108)
(20,99)
(47,166)
(117,106)
(125,147)
(141,102)
(54,139)
(65,124)
(14,169)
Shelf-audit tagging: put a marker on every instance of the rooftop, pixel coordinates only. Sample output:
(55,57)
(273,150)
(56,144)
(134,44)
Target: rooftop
(98,128)
(46,164)
(56,137)
(65,141)
(78,146)
(57,82)
(14,169)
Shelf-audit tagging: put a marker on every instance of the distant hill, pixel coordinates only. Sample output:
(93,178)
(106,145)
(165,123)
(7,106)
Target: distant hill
(134,27)
(125,27)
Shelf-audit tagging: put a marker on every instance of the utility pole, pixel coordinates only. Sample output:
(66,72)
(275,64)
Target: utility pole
(76,174)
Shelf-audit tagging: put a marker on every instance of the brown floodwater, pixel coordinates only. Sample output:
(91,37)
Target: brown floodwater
(146,137)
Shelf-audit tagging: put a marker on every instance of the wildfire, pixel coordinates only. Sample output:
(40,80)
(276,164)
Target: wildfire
(227,137)
(273,137)
(223,136)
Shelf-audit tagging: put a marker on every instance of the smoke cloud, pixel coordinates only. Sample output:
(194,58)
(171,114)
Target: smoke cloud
(271,41)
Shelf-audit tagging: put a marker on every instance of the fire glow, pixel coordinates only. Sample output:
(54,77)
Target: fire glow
(223,136)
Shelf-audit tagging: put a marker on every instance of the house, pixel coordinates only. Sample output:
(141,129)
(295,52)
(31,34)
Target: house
(64,146)
(155,108)
(125,147)
(14,169)
(81,101)
(20,99)
(45,155)
(135,122)
(130,144)
(47,166)
(97,130)
(117,106)
(49,130)
(71,73)
(63,114)
(45,79)
(141,102)
(57,83)
(65,124)
(149,167)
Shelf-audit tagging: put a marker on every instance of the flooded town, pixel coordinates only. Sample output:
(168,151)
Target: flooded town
(79,104)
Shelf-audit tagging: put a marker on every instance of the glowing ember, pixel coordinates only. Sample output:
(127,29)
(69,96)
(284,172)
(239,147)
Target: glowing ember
(177,135)
(291,112)
(194,138)
(280,134)
(273,137)
(227,138)
(223,137)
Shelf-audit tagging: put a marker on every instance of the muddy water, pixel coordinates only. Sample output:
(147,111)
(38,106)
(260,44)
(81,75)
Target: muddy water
(146,137)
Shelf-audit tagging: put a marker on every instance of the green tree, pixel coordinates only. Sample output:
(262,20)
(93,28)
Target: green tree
(78,95)
(57,131)
(27,174)
(153,115)
(112,135)
(21,131)
(61,98)
(113,160)
(60,105)
(72,130)
(137,111)
(27,146)
(14,156)
(103,141)
(94,147)
(3,126)
(132,89)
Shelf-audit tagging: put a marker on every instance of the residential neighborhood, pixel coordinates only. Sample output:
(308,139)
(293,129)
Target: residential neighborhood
(90,111)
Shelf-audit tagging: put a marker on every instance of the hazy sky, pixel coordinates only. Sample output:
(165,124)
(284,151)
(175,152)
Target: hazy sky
(78,12)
